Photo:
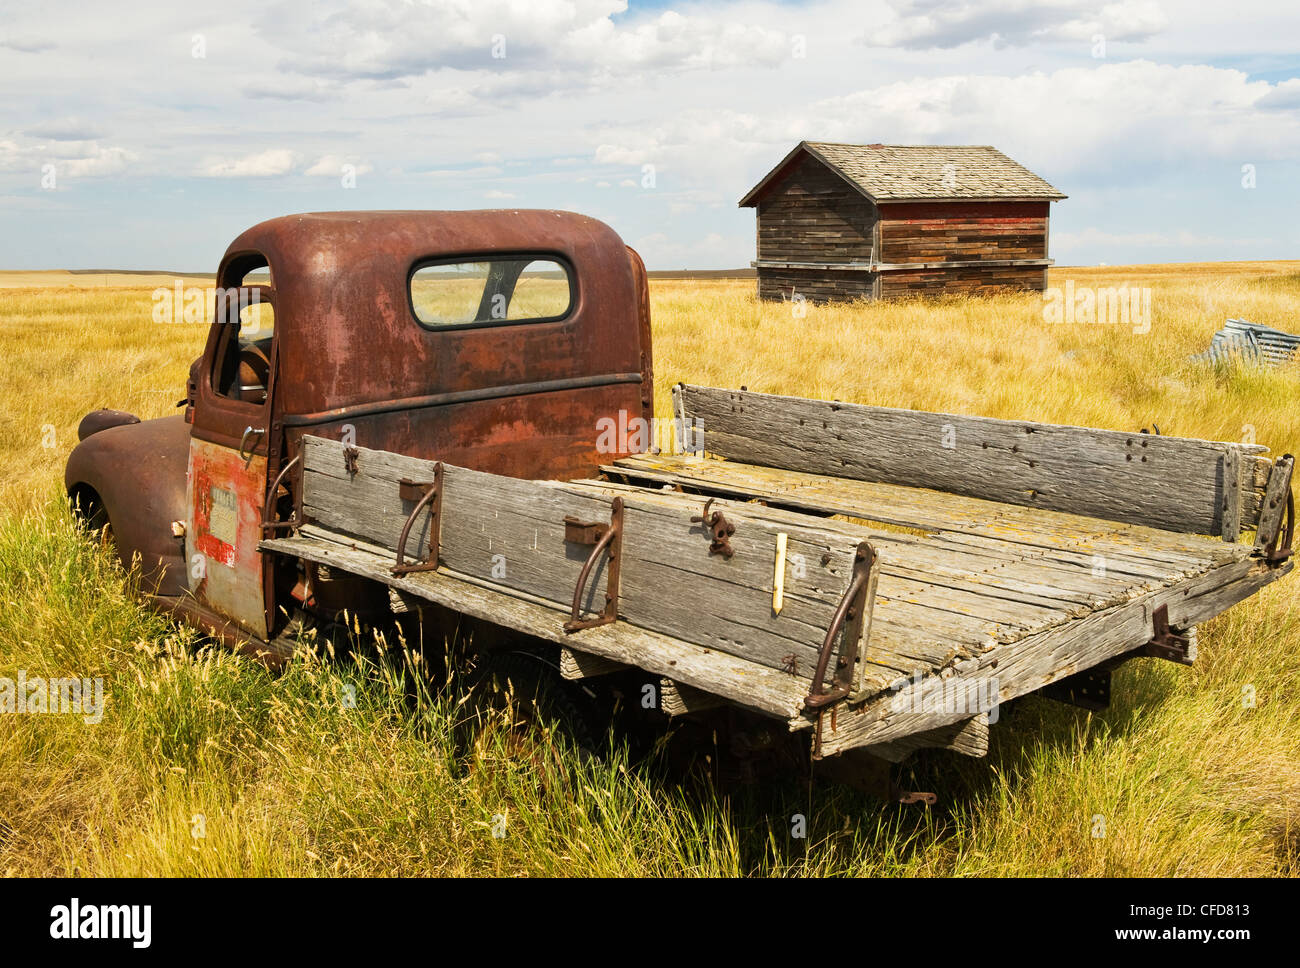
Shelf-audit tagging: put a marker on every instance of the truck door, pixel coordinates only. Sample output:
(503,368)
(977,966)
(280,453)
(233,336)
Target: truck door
(228,448)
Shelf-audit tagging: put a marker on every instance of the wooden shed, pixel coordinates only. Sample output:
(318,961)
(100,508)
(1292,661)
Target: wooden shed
(839,222)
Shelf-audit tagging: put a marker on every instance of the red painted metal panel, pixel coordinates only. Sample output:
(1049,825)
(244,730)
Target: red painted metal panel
(223,531)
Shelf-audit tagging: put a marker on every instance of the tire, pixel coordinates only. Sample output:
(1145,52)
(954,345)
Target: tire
(541,702)
(87,506)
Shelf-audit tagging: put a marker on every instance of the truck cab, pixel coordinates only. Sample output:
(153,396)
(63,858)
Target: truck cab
(496,340)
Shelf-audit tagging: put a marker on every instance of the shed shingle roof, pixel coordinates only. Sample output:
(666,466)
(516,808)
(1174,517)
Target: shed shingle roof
(886,173)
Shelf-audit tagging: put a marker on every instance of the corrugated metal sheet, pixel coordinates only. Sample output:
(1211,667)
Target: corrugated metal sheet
(1243,341)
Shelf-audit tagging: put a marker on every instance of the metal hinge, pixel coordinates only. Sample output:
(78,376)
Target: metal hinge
(424,494)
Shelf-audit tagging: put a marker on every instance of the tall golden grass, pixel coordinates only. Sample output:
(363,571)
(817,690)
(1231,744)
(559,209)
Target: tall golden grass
(281,777)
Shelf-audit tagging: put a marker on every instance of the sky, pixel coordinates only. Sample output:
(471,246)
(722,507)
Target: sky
(148,135)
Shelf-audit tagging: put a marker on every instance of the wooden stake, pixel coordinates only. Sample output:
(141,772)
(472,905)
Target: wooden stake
(778,576)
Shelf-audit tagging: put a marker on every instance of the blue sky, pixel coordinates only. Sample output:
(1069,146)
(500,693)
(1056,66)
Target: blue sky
(148,136)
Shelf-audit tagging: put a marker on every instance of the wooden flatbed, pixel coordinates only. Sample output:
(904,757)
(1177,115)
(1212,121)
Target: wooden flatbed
(935,565)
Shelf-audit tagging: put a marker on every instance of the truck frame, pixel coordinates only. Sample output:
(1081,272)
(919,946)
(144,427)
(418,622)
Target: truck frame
(399,411)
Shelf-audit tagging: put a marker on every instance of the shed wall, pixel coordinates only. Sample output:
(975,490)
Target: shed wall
(812,215)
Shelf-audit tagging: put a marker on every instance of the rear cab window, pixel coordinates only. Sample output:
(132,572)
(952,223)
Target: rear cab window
(491,290)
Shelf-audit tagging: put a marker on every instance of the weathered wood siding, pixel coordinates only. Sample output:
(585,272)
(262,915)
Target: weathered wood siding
(965,232)
(968,280)
(816,285)
(813,215)
(930,232)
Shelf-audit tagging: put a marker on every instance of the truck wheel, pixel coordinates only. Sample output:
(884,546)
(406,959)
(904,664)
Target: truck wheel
(541,702)
(101,528)
(87,506)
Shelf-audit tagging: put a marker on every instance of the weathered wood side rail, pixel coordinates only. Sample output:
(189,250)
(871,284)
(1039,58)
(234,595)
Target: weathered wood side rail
(746,683)
(510,535)
(1171,483)
(1015,669)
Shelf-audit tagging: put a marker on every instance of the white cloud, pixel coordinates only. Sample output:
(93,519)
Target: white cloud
(1284,97)
(331,166)
(576,40)
(478,172)
(498,194)
(27,44)
(928,24)
(713,251)
(263,164)
(1134,116)
(1116,115)
(65,129)
(77,159)
(97,163)
(290,89)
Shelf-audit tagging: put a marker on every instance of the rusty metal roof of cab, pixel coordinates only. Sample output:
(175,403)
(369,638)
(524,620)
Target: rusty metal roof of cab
(355,344)
(344,314)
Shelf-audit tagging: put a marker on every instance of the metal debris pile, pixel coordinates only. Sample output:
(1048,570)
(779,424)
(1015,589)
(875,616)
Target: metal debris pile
(1244,341)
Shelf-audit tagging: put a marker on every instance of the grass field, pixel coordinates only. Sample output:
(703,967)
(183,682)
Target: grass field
(281,777)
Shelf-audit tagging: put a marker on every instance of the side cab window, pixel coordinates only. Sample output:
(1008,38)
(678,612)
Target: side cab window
(245,317)
(234,378)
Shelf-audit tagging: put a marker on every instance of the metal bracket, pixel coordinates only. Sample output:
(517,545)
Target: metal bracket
(850,613)
(898,795)
(607,539)
(583,532)
(719,528)
(1165,642)
(424,494)
(268,505)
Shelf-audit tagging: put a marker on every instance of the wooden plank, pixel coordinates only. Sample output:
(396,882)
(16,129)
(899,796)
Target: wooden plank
(576,664)
(1048,559)
(919,626)
(1230,503)
(1170,483)
(926,510)
(678,699)
(745,683)
(909,561)
(970,737)
(1026,664)
(1273,506)
(511,533)
(1035,661)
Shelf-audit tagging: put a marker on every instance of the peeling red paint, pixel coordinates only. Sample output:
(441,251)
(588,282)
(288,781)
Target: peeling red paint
(231,571)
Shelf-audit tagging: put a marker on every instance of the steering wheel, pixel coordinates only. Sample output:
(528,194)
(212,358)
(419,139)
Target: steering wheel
(254,373)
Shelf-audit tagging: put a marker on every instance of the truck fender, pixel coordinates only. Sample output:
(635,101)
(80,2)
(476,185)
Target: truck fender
(97,420)
(135,472)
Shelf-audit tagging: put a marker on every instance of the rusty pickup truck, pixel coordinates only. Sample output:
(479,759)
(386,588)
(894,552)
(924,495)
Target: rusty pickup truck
(398,413)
